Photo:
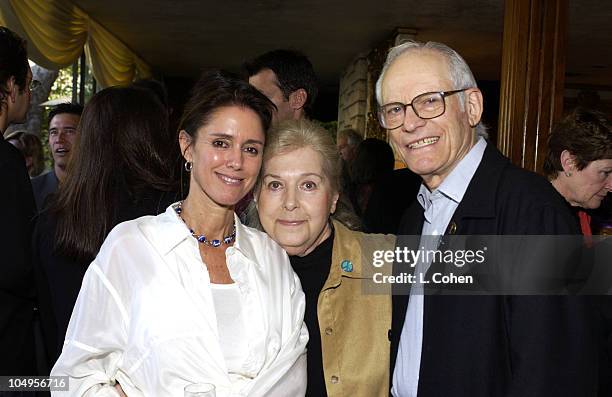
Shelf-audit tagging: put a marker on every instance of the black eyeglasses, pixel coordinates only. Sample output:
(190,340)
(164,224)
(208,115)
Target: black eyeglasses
(426,106)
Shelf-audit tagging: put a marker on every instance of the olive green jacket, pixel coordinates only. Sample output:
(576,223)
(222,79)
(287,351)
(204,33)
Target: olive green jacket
(354,324)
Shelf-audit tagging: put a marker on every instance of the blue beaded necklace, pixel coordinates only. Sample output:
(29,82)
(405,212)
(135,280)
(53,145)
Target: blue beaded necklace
(200,238)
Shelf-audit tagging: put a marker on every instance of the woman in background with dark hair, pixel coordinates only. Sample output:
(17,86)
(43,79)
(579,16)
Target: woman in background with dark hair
(192,295)
(119,171)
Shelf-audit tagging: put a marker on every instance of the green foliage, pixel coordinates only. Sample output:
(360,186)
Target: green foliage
(63,84)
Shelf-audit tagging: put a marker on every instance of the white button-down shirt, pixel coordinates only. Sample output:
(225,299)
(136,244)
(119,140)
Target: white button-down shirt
(145,316)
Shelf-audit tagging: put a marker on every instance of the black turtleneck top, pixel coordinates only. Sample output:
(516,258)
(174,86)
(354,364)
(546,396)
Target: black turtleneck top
(313,270)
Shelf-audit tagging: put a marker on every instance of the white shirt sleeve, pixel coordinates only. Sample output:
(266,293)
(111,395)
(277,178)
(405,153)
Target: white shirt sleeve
(93,348)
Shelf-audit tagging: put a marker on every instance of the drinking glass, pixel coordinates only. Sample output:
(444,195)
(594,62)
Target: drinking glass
(200,390)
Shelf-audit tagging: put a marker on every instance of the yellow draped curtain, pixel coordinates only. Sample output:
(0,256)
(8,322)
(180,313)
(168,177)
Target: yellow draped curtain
(60,31)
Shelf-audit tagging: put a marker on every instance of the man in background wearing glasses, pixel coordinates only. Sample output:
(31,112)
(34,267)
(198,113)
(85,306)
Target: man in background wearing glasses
(486,345)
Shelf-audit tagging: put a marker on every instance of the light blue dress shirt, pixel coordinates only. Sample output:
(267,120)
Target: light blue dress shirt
(439,207)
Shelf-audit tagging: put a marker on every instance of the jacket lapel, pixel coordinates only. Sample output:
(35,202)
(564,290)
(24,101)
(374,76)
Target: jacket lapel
(481,194)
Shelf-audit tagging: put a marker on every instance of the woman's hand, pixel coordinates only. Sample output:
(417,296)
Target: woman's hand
(120,390)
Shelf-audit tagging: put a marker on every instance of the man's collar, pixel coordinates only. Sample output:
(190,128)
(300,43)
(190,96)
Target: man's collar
(479,200)
(455,184)
(424,196)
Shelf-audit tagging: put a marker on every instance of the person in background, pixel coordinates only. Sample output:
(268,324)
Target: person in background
(159,91)
(297,196)
(156,87)
(288,79)
(388,192)
(347,141)
(30,147)
(63,122)
(389,199)
(13,136)
(373,163)
(33,153)
(118,172)
(579,161)
(17,356)
(192,295)
(579,165)
(525,345)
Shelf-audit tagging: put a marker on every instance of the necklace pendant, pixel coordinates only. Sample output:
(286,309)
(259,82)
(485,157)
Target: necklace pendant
(215,243)
(201,239)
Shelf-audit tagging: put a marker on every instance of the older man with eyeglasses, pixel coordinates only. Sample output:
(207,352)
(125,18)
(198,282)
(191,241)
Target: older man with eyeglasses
(485,345)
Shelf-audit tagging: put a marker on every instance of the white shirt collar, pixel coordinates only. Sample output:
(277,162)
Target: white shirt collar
(455,184)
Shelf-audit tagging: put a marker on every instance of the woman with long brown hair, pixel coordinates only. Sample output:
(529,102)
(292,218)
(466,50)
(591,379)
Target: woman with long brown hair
(121,169)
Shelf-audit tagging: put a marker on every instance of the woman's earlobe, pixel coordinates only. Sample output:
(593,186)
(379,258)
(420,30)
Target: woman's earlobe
(185,143)
(334,204)
(568,162)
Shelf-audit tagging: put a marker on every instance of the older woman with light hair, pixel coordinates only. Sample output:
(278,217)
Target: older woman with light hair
(296,197)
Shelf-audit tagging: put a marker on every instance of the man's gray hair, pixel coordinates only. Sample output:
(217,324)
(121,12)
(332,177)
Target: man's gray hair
(459,72)
(353,138)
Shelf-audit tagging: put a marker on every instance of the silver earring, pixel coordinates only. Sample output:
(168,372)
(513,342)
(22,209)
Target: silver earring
(568,174)
(188,166)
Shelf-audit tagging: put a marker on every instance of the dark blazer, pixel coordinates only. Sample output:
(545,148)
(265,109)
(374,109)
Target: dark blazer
(44,185)
(502,345)
(16,282)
